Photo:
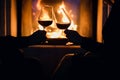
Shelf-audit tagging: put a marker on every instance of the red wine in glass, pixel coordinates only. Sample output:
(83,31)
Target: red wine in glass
(45,23)
(63,25)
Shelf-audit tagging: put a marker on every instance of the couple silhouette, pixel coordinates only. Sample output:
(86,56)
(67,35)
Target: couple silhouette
(101,63)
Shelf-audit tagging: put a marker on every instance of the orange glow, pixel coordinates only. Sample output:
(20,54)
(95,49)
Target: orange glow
(26,22)
(99,21)
(38,5)
(85,17)
(13,18)
(40,27)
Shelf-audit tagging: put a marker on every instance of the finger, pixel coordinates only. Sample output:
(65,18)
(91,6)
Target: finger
(44,32)
(68,31)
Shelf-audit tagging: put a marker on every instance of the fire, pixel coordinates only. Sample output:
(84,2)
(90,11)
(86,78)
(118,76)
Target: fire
(38,5)
(52,30)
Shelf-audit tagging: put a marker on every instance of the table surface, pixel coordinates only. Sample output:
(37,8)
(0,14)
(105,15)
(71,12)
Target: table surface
(55,46)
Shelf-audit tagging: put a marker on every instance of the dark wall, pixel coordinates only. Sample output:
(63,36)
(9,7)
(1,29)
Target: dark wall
(8,16)
(2,20)
(19,17)
(5,17)
(94,15)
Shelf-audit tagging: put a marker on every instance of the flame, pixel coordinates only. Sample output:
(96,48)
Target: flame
(38,5)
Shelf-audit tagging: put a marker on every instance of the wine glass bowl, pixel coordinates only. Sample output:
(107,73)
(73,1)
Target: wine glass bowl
(45,23)
(46,16)
(63,25)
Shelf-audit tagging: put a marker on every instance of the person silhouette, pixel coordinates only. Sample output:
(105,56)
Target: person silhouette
(110,33)
(10,46)
(102,61)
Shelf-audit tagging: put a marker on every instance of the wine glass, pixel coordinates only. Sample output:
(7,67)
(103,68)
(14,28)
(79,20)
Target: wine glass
(46,16)
(62,20)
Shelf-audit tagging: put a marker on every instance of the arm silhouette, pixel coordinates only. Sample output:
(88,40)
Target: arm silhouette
(19,42)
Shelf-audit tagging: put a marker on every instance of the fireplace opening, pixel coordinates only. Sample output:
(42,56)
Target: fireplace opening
(85,15)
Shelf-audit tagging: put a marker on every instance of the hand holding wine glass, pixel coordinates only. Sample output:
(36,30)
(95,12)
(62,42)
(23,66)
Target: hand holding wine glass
(46,17)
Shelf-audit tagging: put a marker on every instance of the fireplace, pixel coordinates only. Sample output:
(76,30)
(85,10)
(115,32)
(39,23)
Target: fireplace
(79,11)
(20,17)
